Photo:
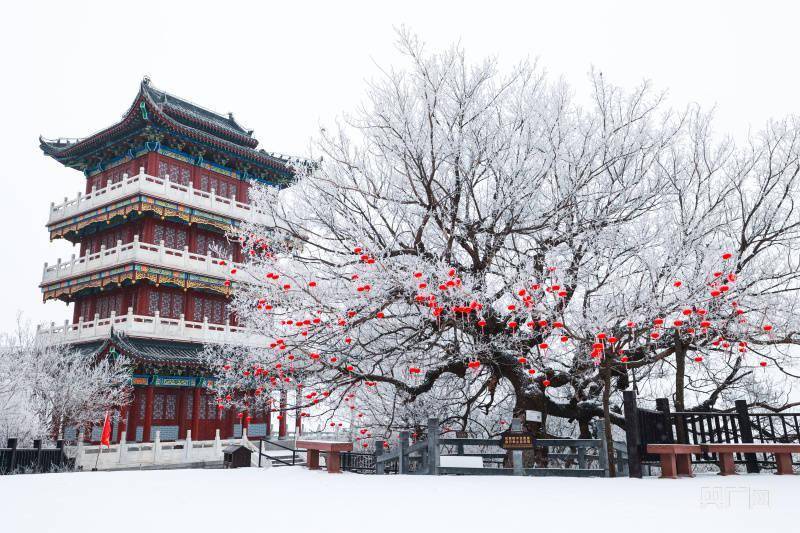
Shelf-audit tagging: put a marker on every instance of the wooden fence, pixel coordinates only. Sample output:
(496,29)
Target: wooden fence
(661,426)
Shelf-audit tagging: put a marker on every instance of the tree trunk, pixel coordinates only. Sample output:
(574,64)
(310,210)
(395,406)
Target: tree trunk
(612,467)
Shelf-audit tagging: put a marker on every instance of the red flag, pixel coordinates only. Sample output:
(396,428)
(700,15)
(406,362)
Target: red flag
(105,438)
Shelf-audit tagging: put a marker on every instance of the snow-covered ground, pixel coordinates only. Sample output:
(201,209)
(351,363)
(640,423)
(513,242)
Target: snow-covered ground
(295,499)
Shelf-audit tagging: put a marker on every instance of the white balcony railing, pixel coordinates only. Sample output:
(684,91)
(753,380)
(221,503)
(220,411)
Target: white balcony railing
(162,188)
(151,327)
(139,252)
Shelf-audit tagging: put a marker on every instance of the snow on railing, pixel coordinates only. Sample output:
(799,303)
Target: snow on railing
(161,187)
(139,252)
(154,327)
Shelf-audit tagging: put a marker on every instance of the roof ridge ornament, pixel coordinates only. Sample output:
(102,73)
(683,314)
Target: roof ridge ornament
(146,79)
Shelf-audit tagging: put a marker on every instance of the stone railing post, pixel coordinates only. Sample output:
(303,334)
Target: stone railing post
(123,449)
(157,447)
(433,446)
(602,450)
(402,458)
(187,448)
(80,451)
(217,444)
(516,455)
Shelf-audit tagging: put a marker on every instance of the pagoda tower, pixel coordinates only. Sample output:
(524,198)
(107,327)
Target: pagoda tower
(164,186)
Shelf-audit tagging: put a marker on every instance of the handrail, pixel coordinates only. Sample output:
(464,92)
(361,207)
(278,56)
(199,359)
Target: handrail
(262,454)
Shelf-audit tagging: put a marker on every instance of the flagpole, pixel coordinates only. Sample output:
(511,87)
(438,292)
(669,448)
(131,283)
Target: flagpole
(106,422)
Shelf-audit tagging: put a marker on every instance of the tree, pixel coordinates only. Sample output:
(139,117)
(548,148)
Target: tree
(473,244)
(45,388)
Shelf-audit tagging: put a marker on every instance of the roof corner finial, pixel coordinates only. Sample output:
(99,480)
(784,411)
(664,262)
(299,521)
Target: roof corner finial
(146,79)
(230,115)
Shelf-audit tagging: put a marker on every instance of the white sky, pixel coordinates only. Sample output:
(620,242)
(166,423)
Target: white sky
(71,68)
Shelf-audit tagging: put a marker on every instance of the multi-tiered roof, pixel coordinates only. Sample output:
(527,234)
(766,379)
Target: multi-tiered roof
(156,116)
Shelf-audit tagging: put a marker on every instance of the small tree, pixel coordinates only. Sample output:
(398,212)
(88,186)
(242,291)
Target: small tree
(45,388)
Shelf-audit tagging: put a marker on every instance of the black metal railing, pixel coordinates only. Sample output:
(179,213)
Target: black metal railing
(14,459)
(358,462)
(261,453)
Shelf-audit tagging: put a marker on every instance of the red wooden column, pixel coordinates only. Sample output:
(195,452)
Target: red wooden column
(148,412)
(133,417)
(196,413)
(282,420)
(123,418)
(151,166)
(182,399)
(230,420)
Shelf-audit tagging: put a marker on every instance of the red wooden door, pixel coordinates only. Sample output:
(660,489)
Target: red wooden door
(210,417)
(165,413)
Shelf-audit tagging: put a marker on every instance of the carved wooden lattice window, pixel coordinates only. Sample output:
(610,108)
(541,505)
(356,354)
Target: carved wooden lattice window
(197,309)
(189,406)
(168,305)
(173,237)
(158,406)
(210,408)
(216,314)
(203,408)
(169,237)
(107,304)
(170,406)
(152,304)
(201,244)
(177,305)
(86,308)
(209,308)
(158,234)
(164,305)
(180,239)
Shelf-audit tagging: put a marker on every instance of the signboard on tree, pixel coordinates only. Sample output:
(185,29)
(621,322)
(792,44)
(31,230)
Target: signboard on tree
(517,440)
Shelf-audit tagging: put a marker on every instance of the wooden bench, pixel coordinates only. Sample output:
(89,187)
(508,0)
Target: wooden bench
(676,459)
(783,455)
(333,449)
